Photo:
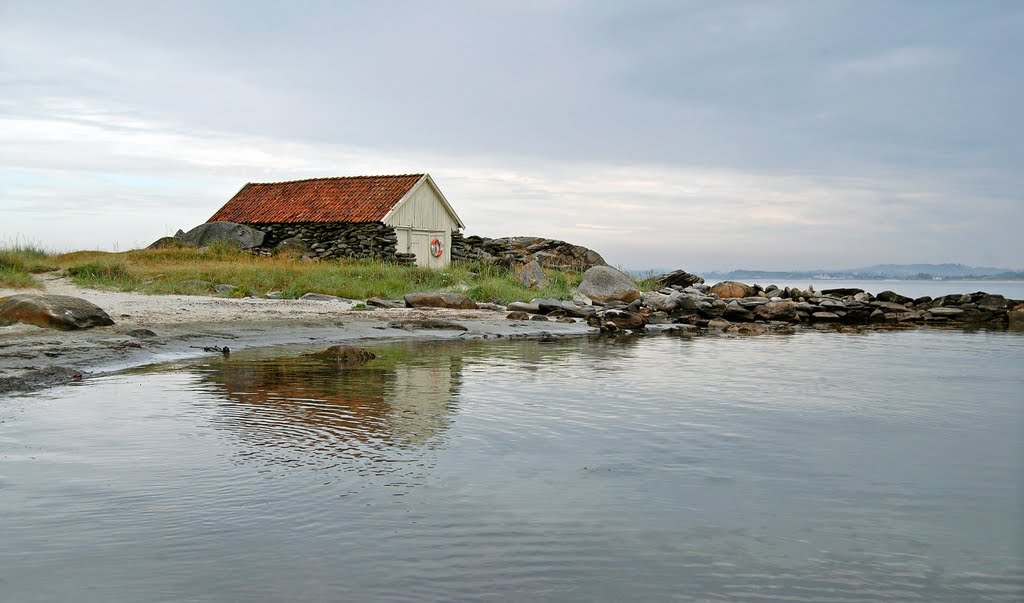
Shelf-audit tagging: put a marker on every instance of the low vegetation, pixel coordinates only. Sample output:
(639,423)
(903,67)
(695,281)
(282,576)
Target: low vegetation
(194,271)
(19,262)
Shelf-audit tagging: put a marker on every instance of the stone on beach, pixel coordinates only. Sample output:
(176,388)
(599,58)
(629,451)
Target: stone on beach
(732,289)
(457,301)
(604,284)
(61,312)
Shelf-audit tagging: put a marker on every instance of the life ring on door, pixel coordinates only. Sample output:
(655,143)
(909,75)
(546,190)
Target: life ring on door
(436,248)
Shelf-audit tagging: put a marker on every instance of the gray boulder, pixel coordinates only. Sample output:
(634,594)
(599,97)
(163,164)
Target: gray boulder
(532,276)
(244,236)
(61,312)
(604,284)
(457,301)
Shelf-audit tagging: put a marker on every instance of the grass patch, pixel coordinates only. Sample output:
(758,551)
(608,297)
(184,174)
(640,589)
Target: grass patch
(191,271)
(20,261)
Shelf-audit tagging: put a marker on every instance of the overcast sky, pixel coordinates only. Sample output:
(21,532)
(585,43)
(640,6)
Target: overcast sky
(695,135)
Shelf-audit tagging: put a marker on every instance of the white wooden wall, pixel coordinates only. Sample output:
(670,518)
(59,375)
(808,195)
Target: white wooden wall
(421,219)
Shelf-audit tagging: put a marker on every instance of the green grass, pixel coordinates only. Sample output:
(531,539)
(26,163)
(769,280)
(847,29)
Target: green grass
(19,262)
(193,271)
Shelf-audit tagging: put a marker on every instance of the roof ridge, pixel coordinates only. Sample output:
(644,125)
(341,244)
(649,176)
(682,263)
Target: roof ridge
(321,179)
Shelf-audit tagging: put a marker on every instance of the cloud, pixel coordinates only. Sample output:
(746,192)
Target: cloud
(660,133)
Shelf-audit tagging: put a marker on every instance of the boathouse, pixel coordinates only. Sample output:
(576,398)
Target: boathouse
(358,216)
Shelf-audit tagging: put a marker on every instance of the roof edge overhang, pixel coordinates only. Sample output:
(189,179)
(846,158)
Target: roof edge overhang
(408,194)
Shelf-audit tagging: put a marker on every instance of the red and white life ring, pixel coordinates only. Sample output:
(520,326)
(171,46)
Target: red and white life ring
(436,248)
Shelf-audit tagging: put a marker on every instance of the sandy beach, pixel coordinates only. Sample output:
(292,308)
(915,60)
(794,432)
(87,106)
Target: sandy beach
(156,328)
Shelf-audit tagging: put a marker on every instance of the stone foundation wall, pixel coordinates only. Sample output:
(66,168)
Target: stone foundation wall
(330,240)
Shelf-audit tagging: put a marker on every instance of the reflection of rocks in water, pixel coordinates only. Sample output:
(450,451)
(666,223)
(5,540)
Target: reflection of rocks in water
(382,410)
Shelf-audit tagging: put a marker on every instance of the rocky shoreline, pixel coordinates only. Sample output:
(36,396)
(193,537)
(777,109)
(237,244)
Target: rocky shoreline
(152,329)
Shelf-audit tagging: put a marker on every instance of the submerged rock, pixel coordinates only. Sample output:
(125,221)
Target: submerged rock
(344,353)
(427,323)
(61,312)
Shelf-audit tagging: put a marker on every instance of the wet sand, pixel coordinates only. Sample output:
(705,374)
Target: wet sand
(156,328)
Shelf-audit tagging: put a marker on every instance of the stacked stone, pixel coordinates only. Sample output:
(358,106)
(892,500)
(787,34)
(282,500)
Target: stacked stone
(330,240)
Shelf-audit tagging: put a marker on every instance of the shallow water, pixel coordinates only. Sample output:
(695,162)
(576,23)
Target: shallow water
(812,467)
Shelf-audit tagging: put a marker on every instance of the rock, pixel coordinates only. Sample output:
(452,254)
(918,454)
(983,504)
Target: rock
(539,317)
(747,329)
(993,302)
(517,315)
(458,301)
(679,278)
(532,276)
(842,292)
(946,312)
(660,301)
(891,297)
(141,333)
(292,245)
(490,306)
(376,302)
(718,324)
(427,323)
(778,310)
(732,289)
(737,313)
(166,243)
(320,297)
(550,253)
(61,312)
(1016,317)
(824,317)
(238,234)
(531,308)
(605,284)
(344,353)
(618,320)
(887,305)
(224,289)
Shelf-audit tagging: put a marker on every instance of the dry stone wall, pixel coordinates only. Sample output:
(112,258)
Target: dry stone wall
(329,240)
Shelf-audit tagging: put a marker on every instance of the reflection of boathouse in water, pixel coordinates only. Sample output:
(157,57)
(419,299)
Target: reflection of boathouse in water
(332,409)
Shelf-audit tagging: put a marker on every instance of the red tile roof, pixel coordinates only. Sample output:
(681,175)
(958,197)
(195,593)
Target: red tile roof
(349,199)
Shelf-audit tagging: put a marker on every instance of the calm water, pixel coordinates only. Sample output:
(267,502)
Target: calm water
(811,467)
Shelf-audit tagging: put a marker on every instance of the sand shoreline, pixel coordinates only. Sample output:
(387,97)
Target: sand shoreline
(32,358)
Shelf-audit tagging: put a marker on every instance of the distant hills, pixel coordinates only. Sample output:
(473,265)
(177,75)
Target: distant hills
(925,272)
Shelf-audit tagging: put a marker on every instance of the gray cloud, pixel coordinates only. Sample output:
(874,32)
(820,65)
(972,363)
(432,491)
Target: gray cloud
(731,134)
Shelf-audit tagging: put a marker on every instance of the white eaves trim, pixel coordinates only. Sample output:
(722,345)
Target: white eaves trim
(428,180)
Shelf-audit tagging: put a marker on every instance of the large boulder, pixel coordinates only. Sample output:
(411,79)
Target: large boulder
(61,312)
(244,236)
(732,289)
(604,284)
(457,301)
